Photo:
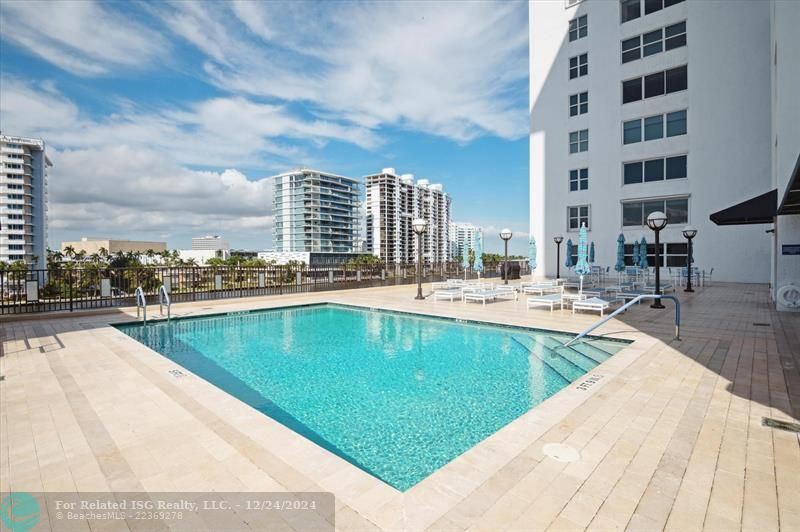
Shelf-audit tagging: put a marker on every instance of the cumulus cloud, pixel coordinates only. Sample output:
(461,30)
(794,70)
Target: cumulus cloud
(455,72)
(83,37)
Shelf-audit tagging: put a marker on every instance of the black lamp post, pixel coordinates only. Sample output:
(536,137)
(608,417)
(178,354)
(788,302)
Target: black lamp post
(657,221)
(689,232)
(506,235)
(558,239)
(419,225)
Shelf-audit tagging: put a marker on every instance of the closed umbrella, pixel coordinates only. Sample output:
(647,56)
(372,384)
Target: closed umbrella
(570,249)
(582,266)
(465,259)
(620,265)
(532,254)
(591,253)
(635,253)
(643,254)
(478,266)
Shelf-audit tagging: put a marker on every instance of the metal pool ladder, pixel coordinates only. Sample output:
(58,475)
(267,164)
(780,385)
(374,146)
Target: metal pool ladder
(624,307)
(141,303)
(163,299)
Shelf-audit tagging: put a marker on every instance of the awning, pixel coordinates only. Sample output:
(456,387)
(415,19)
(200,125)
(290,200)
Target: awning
(758,210)
(791,198)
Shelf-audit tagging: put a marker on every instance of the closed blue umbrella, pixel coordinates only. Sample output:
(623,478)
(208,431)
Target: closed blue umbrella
(591,254)
(532,254)
(570,249)
(636,253)
(582,266)
(465,259)
(478,266)
(643,254)
(620,265)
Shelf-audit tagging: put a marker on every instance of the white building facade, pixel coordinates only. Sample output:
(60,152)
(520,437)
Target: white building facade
(23,200)
(315,211)
(644,105)
(392,203)
(210,242)
(463,235)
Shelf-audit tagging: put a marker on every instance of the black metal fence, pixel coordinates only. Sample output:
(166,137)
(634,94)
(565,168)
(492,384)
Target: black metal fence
(91,286)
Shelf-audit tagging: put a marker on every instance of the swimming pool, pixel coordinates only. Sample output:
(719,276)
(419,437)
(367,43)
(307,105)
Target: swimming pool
(398,395)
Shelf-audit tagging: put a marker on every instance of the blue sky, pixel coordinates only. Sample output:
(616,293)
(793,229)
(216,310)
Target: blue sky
(163,119)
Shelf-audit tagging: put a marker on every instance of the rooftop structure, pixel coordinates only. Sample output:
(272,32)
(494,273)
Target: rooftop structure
(210,242)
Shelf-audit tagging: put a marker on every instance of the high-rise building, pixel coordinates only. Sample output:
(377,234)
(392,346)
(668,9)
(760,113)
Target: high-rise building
(393,202)
(315,211)
(461,235)
(651,105)
(23,200)
(210,242)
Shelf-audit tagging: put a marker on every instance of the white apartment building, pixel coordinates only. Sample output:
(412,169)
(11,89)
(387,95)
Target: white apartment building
(315,211)
(393,202)
(644,105)
(23,200)
(461,235)
(210,242)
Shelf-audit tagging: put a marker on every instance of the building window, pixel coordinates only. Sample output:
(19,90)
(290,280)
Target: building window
(579,179)
(578,66)
(654,127)
(631,49)
(635,213)
(655,84)
(576,216)
(632,9)
(675,36)
(676,123)
(579,104)
(578,28)
(579,141)
(654,170)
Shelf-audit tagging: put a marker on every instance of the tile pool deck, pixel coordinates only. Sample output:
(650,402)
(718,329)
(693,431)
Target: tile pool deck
(669,433)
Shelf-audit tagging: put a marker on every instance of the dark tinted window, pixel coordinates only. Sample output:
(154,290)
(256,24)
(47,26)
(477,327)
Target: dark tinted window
(651,6)
(677,79)
(653,127)
(654,85)
(633,173)
(675,36)
(668,3)
(631,215)
(676,123)
(654,170)
(677,211)
(651,43)
(631,9)
(632,132)
(676,167)
(632,90)
(631,50)
(676,248)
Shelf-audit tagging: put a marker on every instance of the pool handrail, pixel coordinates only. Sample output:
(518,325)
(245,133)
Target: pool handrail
(163,299)
(624,307)
(141,303)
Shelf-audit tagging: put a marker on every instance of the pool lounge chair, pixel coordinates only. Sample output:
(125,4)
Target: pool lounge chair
(594,303)
(447,293)
(506,290)
(600,291)
(548,300)
(481,295)
(540,289)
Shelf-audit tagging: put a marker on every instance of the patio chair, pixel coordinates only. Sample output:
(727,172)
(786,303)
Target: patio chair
(707,280)
(547,300)
(447,293)
(507,290)
(541,289)
(594,304)
(481,295)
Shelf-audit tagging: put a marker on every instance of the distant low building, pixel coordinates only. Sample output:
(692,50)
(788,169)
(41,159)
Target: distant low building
(92,245)
(214,242)
(311,258)
(202,256)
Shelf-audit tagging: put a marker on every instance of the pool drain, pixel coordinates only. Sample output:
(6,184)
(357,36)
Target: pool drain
(561,452)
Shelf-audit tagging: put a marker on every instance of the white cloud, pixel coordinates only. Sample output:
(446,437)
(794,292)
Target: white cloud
(80,36)
(457,71)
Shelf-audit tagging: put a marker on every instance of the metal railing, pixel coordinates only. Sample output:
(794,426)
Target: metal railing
(141,303)
(71,287)
(163,299)
(625,307)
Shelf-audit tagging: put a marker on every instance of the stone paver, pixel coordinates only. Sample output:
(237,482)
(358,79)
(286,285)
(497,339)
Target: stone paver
(669,438)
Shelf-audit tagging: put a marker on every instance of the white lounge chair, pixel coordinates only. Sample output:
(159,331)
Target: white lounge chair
(541,289)
(594,303)
(506,290)
(447,293)
(481,295)
(548,300)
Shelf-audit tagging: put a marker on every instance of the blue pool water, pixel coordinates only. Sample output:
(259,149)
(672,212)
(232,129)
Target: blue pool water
(395,394)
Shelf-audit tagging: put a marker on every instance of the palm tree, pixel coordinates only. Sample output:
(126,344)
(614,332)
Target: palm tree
(69,251)
(103,252)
